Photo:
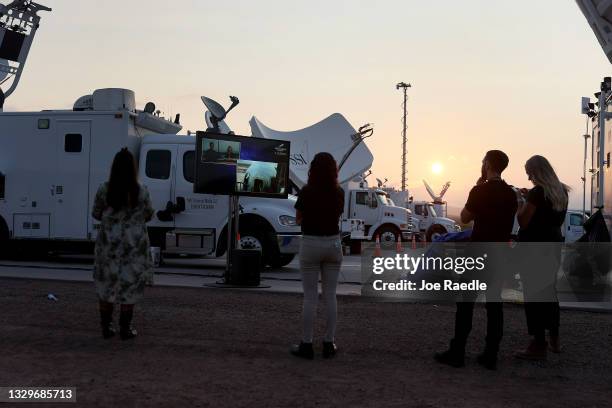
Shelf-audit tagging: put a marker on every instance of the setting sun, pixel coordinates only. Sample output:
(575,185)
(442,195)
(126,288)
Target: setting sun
(437,168)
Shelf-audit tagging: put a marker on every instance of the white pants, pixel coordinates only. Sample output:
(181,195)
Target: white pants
(320,255)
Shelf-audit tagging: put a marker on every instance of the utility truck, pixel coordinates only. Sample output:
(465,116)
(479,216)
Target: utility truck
(335,135)
(429,223)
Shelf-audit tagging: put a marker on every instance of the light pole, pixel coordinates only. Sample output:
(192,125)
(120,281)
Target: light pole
(404,86)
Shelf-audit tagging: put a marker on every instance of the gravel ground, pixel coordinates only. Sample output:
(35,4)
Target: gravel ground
(222,348)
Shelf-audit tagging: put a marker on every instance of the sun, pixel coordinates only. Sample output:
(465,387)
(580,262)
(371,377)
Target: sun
(437,168)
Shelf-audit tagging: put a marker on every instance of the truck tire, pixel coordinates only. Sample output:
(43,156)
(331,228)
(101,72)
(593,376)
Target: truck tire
(434,232)
(388,235)
(251,238)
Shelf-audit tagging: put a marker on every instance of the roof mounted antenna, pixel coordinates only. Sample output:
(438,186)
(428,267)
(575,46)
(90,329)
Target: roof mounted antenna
(19,21)
(217,112)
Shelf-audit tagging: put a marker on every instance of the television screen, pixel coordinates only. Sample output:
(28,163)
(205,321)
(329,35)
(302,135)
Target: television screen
(249,166)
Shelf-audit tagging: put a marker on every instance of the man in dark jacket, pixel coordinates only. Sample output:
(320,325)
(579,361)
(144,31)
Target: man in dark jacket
(492,205)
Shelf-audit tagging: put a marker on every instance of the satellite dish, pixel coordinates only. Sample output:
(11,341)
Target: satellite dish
(223,128)
(149,108)
(430,191)
(215,108)
(3,73)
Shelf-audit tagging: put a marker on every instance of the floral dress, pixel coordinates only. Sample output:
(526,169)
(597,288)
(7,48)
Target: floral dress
(122,263)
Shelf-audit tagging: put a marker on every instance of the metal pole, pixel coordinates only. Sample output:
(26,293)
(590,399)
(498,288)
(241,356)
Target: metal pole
(404,86)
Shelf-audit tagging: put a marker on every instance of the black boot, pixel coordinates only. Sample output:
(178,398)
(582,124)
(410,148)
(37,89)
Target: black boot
(106,320)
(125,324)
(303,350)
(329,349)
(454,356)
(488,359)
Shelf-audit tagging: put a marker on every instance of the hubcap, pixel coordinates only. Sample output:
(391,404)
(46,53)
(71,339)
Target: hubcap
(250,242)
(387,237)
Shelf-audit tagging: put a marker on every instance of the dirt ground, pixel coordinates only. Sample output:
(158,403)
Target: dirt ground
(221,348)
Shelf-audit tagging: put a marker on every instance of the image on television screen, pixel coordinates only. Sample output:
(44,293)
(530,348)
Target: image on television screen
(220,151)
(230,164)
(260,177)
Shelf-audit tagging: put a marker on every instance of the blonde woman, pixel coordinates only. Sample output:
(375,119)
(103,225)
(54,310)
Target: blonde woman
(540,219)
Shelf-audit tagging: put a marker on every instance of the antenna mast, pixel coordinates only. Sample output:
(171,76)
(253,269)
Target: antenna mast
(404,86)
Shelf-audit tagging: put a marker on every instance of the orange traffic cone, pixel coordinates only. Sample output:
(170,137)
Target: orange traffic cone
(413,241)
(377,251)
(398,245)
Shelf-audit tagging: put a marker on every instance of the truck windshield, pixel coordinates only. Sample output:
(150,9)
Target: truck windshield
(432,211)
(383,199)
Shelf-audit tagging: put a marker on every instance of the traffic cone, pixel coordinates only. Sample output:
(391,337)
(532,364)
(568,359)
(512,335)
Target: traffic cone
(238,246)
(398,245)
(377,251)
(413,241)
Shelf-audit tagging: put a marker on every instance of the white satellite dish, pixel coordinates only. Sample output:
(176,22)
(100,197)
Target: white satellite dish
(332,135)
(223,128)
(4,65)
(437,198)
(214,108)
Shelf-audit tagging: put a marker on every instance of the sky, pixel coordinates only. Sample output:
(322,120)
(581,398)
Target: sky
(485,74)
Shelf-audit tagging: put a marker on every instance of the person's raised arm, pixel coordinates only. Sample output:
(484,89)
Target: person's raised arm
(526,210)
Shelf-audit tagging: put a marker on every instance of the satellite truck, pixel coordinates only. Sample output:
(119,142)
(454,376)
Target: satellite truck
(599,113)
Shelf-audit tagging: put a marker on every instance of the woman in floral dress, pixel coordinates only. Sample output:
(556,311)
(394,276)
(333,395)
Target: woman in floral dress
(122,264)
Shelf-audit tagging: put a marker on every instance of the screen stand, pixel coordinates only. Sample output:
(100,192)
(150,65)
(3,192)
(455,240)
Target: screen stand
(232,231)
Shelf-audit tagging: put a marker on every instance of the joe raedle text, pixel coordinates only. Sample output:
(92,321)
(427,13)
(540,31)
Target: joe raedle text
(407,273)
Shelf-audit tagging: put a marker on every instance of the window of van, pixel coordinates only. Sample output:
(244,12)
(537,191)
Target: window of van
(158,164)
(73,143)
(189,166)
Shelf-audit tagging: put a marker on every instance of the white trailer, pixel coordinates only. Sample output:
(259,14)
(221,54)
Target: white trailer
(52,163)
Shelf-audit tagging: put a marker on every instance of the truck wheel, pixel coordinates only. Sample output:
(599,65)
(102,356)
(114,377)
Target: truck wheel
(282,260)
(388,235)
(259,240)
(435,231)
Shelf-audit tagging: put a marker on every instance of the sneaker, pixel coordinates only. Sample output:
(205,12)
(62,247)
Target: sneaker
(534,352)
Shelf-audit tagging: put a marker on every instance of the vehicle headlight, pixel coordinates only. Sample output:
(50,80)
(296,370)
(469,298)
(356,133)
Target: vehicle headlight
(287,221)
(457,227)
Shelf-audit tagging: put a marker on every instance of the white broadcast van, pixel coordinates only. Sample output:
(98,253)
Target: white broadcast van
(370,206)
(52,162)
